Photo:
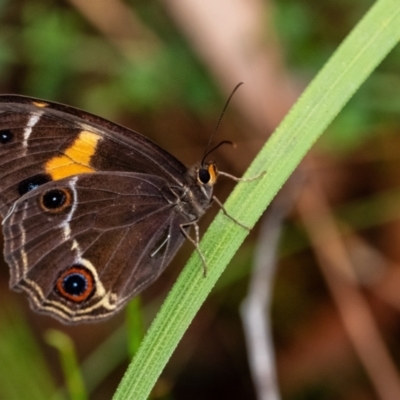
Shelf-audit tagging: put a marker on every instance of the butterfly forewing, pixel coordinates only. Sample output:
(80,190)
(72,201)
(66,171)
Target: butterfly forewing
(42,141)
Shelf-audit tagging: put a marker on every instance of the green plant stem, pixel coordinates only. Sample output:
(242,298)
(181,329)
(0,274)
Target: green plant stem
(364,48)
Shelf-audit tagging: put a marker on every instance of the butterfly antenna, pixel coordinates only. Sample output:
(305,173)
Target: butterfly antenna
(216,147)
(206,151)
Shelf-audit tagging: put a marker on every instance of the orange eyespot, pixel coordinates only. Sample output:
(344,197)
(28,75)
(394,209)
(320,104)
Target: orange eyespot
(75,284)
(56,200)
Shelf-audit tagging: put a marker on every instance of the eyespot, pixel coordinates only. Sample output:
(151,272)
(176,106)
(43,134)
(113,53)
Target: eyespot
(56,200)
(6,136)
(75,284)
(31,183)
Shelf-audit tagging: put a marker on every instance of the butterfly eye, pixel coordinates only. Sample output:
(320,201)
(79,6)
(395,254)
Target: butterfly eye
(75,284)
(6,136)
(204,175)
(56,200)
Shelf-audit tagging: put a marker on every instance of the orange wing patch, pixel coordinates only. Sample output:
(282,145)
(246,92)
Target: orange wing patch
(76,159)
(40,104)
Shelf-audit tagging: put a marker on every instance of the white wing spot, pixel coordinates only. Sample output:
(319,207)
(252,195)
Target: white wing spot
(33,120)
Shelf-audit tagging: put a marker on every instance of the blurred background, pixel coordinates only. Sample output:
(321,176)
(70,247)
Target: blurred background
(327,250)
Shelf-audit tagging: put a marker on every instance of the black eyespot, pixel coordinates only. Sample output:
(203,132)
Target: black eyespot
(32,183)
(76,284)
(204,175)
(6,136)
(54,199)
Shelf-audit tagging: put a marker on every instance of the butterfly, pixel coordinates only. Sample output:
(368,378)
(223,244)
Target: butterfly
(92,212)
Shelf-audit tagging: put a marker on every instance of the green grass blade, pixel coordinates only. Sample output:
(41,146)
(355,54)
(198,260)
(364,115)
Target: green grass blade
(74,381)
(134,325)
(365,47)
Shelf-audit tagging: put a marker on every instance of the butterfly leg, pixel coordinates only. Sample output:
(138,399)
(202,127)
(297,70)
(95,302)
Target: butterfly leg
(195,241)
(229,216)
(235,178)
(10,211)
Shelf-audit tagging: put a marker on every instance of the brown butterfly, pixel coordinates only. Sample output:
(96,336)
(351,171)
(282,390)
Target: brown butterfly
(92,212)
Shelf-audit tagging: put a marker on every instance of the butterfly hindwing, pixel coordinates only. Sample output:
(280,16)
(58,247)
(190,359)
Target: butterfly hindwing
(84,245)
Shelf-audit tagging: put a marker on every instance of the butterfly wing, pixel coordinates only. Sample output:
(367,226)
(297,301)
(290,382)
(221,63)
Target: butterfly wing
(42,142)
(82,246)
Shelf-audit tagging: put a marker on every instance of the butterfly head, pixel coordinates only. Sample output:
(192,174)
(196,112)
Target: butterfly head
(201,179)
